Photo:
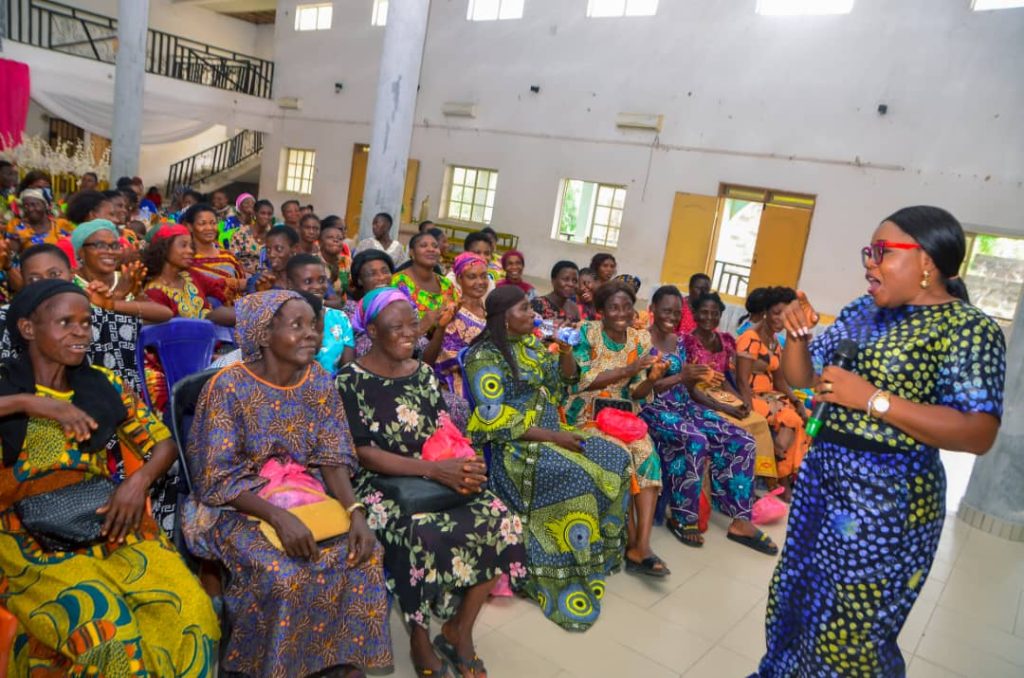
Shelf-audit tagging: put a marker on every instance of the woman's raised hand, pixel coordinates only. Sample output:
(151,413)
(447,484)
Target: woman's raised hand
(100,295)
(465,476)
(132,276)
(799,317)
(641,364)
(265,281)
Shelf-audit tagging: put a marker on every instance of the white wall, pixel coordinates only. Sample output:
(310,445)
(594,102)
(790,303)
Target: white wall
(787,103)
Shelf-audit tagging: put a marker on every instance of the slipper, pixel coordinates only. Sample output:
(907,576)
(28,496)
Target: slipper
(684,532)
(443,672)
(648,567)
(759,542)
(461,664)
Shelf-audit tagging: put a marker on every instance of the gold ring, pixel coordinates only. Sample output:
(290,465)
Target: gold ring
(826,387)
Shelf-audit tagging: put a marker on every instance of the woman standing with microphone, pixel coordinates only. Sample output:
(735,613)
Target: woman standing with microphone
(870,500)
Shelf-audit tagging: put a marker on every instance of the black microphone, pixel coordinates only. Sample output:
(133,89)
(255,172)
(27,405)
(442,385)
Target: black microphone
(844,356)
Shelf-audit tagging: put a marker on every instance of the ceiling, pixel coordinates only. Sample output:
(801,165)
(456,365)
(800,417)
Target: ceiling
(253,11)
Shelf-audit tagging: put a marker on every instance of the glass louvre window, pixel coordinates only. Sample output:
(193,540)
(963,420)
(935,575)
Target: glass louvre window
(471,193)
(298,171)
(494,10)
(589,213)
(314,17)
(601,9)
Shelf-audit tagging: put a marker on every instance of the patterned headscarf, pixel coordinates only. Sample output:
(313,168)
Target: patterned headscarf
(253,314)
(373,303)
(240,199)
(512,253)
(32,193)
(467,260)
(630,280)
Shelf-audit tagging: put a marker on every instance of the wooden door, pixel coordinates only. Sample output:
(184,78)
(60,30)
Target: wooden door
(690,237)
(357,183)
(779,251)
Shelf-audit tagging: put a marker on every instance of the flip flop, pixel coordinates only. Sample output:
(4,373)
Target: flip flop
(648,567)
(684,532)
(760,542)
(461,664)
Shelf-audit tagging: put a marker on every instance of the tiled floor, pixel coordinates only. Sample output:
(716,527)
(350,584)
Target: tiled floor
(707,619)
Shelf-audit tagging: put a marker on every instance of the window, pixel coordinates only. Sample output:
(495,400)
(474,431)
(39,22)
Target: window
(589,213)
(314,17)
(380,13)
(299,165)
(492,10)
(803,7)
(993,271)
(471,194)
(597,9)
(983,5)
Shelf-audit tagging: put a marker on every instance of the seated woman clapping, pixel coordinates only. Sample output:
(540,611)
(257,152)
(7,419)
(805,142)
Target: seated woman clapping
(443,555)
(302,606)
(94,584)
(571,489)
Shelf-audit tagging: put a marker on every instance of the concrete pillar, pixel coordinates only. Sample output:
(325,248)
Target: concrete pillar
(994,501)
(400,60)
(129,76)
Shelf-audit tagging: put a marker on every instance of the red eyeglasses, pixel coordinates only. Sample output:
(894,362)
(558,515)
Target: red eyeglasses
(875,252)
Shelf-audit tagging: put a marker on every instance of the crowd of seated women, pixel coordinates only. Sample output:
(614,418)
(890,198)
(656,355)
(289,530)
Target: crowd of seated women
(446,438)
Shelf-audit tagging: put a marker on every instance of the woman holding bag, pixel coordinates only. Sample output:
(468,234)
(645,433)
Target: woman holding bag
(868,511)
(296,607)
(446,539)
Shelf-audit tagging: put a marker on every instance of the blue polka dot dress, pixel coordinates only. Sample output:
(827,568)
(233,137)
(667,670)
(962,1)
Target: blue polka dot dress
(870,501)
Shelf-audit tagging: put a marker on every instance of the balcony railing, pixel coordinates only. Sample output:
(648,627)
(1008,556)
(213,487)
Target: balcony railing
(730,278)
(62,28)
(214,160)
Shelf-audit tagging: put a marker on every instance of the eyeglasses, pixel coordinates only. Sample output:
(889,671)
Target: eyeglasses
(875,252)
(104,246)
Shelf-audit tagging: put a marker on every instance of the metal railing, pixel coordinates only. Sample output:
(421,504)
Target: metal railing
(730,278)
(214,160)
(62,28)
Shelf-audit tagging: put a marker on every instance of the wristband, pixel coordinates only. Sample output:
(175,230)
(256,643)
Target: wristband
(356,506)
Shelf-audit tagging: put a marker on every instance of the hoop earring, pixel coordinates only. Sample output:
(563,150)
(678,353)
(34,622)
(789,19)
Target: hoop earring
(925,279)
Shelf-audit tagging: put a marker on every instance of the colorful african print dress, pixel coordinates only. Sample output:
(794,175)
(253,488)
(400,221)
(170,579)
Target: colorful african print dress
(430,557)
(129,610)
(688,436)
(289,616)
(461,331)
(868,510)
(246,248)
(27,236)
(597,353)
(573,505)
(222,266)
(425,300)
(543,307)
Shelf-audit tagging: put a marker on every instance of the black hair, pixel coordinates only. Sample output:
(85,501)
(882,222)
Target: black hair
(307,207)
(436,232)
(195,195)
(286,231)
(941,236)
(306,217)
(757,300)
(31,178)
(261,203)
(112,193)
(290,202)
(315,302)
(123,183)
(491,234)
(713,298)
(94,176)
(218,190)
(473,238)
(44,248)
(699,276)
(780,295)
(423,225)
(362,259)
(82,204)
(155,256)
(665,291)
(193,212)
(302,259)
(561,266)
(497,305)
(4,164)
(332,220)
(416,238)
(586,270)
(598,259)
(605,292)
(385,216)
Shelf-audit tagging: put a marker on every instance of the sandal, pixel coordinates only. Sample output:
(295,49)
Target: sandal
(760,542)
(461,664)
(685,533)
(443,672)
(648,567)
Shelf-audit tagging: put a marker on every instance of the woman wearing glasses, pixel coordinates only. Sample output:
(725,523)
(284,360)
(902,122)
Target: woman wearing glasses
(868,511)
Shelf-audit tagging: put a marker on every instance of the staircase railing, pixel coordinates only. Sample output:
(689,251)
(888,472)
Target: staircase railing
(62,28)
(214,160)
(730,278)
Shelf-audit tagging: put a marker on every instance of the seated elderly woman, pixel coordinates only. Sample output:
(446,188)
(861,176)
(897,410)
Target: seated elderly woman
(316,605)
(442,562)
(95,586)
(370,269)
(617,370)
(571,489)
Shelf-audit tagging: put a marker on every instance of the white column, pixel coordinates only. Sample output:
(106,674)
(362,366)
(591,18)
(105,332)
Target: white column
(400,60)
(129,75)
(994,501)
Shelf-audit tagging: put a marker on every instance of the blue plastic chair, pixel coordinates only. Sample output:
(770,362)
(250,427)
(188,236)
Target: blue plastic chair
(183,345)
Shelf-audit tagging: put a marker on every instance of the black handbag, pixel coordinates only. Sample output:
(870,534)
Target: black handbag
(66,519)
(414,494)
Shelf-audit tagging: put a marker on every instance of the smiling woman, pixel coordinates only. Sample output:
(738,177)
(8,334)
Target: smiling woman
(209,258)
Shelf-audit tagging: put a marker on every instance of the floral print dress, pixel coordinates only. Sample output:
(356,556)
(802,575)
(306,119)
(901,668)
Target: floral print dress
(430,558)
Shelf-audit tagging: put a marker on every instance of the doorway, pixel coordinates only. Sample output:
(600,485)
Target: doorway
(357,183)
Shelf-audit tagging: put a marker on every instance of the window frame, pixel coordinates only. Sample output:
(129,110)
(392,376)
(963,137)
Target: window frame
(588,239)
(761,9)
(472,5)
(592,10)
(295,182)
(318,8)
(1014,4)
(971,234)
(445,211)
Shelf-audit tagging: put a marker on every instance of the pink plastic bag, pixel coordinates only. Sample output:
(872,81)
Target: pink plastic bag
(769,508)
(290,485)
(625,426)
(447,442)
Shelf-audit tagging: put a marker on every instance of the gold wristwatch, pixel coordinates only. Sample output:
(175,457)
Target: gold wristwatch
(879,403)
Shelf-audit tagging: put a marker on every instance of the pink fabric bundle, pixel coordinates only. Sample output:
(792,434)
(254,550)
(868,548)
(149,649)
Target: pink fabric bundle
(289,485)
(769,508)
(447,442)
